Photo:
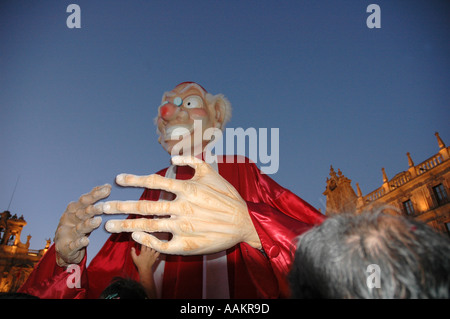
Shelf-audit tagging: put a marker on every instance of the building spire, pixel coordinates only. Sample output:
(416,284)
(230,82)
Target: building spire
(410,161)
(385,179)
(440,141)
(358,190)
(332,172)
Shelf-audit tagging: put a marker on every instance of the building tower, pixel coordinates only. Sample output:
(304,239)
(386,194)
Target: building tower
(340,195)
(16,259)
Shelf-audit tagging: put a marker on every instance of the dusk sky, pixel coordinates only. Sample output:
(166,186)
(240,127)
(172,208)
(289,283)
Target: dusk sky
(77,105)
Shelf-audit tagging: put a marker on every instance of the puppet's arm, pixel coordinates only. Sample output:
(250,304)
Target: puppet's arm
(75,225)
(207,216)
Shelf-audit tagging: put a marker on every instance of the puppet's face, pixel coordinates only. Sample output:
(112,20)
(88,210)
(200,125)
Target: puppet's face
(185,105)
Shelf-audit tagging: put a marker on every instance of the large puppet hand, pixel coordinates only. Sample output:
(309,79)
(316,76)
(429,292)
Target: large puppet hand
(207,216)
(75,225)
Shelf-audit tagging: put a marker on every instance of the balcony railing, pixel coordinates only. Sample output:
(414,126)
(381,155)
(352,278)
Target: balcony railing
(429,164)
(379,192)
(405,177)
(400,179)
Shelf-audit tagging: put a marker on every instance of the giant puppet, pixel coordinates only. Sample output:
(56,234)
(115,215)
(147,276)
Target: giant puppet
(223,229)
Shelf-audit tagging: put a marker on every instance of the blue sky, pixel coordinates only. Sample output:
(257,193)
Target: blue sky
(77,105)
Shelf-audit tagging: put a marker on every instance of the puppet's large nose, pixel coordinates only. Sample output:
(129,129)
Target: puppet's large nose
(168,111)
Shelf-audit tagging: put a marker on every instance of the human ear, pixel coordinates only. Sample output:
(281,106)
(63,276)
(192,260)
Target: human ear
(222,110)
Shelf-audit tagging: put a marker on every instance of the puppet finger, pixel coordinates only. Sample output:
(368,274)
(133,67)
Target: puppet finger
(141,224)
(95,195)
(88,212)
(79,243)
(141,207)
(88,225)
(154,181)
(186,160)
(73,207)
(90,198)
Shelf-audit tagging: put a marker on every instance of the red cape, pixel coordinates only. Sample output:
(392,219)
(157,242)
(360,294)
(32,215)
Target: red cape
(278,215)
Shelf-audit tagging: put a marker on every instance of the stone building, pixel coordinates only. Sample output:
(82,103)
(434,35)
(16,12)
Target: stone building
(421,191)
(16,259)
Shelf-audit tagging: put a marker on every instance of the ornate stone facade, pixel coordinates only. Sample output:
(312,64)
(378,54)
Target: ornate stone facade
(16,259)
(421,191)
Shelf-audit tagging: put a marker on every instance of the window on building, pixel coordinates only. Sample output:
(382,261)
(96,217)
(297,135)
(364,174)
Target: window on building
(11,240)
(408,206)
(440,194)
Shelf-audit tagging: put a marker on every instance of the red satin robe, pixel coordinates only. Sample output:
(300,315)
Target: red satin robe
(278,216)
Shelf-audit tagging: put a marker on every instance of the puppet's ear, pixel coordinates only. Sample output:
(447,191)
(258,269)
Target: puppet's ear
(222,108)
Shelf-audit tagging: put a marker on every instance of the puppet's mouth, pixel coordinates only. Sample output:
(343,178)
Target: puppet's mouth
(174,132)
